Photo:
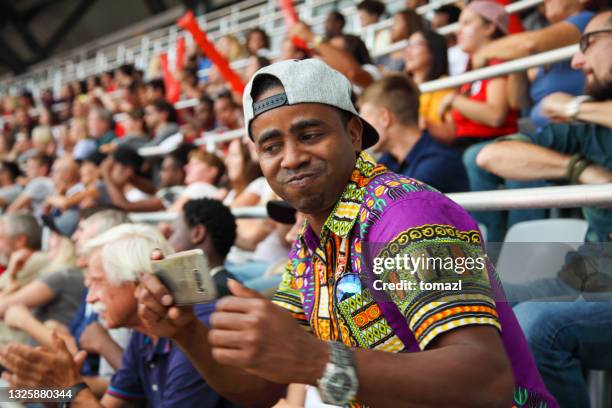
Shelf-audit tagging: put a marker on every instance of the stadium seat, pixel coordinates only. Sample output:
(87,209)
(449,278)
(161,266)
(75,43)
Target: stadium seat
(536,249)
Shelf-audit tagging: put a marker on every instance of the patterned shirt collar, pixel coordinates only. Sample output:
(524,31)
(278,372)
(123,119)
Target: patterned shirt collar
(342,218)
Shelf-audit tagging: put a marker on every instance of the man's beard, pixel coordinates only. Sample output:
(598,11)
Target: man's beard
(598,89)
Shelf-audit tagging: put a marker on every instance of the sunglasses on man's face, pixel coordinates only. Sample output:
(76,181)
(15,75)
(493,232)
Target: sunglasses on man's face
(589,38)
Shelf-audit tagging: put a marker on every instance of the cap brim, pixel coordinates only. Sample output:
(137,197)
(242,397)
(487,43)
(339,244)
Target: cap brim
(369,136)
(280,211)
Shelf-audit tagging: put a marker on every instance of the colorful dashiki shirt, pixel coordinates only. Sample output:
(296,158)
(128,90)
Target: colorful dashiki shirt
(328,284)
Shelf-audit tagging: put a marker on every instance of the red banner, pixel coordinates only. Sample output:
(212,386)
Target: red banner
(189,23)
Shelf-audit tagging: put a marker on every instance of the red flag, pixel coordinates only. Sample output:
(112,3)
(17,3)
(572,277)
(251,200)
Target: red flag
(289,12)
(189,23)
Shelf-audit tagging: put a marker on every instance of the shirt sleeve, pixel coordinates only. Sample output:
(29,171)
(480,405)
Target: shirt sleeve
(288,296)
(580,20)
(428,259)
(56,281)
(125,383)
(184,387)
(39,189)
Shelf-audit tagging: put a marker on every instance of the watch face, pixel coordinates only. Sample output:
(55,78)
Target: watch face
(339,385)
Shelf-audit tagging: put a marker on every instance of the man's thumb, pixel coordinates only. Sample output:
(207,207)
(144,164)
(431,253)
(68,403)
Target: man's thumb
(79,359)
(240,290)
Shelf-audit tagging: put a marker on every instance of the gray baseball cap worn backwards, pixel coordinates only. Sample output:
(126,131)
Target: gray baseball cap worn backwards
(305,81)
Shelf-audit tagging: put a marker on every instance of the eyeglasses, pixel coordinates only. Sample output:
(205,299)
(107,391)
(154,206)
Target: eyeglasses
(588,38)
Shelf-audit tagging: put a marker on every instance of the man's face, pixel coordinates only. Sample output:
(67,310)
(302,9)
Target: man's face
(225,112)
(89,173)
(205,115)
(366,18)
(119,303)
(33,168)
(197,170)
(121,174)
(152,117)
(596,61)
(97,127)
(181,235)
(171,174)
(306,153)
(333,26)
(372,115)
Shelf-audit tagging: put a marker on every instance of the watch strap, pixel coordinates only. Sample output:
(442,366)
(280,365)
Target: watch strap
(75,389)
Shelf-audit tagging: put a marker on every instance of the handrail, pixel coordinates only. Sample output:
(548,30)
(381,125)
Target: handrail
(592,195)
(521,64)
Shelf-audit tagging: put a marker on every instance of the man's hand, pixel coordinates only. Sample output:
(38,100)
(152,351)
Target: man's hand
(57,201)
(93,337)
(254,334)
(595,174)
(156,310)
(40,367)
(554,106)
(17,260)
(301,31)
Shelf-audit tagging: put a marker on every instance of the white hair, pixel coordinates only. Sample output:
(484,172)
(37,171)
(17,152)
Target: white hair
(126,251)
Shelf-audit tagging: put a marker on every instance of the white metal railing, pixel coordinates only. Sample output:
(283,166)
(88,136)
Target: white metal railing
(505,68)
(521,64)
(592,195)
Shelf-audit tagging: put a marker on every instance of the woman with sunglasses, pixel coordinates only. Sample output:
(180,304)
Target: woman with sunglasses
(526,90)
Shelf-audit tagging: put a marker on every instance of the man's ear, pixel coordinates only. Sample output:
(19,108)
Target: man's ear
(21,241)
(355,129)
(386,117)
(198,234)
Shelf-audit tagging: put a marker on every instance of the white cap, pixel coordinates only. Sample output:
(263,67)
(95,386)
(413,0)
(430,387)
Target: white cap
(305,81)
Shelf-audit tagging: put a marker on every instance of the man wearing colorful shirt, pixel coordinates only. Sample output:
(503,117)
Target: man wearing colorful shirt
(370,347)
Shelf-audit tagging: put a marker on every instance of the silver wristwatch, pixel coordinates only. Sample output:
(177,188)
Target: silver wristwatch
(339,385)
(573,107)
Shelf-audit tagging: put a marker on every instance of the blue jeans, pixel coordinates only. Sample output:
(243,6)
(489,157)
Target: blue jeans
(565,338)
(481,180)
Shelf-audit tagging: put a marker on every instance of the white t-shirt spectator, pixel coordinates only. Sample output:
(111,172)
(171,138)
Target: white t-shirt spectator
(38,189)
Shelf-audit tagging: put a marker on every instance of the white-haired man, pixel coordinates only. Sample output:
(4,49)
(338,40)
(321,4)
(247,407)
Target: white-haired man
(153,369)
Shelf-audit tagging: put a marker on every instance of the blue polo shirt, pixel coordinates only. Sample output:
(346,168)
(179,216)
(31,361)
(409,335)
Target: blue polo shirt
(160,374)
(433,163)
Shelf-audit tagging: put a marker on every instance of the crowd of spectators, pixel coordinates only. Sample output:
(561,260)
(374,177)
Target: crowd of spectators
(74,164)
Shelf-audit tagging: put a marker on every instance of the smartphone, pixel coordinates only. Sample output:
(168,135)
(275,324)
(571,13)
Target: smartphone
(187,277)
